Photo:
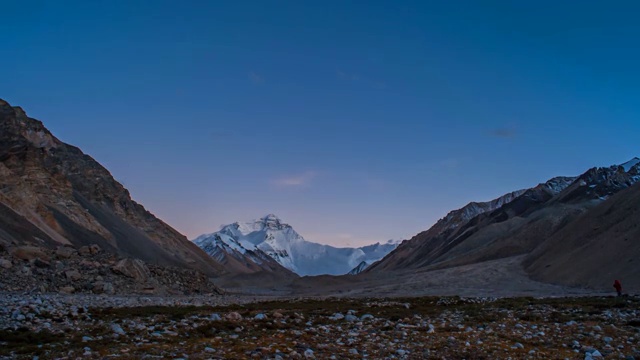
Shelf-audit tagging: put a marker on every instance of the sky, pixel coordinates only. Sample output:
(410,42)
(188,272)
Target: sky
(353,121)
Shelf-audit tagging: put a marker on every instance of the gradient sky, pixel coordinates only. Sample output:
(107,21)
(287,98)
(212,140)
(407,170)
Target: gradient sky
(354,121)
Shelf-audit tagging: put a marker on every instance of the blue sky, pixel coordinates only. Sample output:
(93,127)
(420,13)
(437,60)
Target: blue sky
(353,121)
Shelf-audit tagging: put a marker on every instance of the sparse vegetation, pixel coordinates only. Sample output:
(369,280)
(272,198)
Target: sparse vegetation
(453,327)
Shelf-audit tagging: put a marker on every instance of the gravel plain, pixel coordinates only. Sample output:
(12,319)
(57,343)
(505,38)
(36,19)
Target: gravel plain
(246,327)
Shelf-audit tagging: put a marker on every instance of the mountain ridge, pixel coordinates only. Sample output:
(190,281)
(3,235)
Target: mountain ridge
(269,235)
(515,227)
(54,194)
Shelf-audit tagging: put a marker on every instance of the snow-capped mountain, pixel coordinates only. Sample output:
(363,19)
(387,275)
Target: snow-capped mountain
(269,236)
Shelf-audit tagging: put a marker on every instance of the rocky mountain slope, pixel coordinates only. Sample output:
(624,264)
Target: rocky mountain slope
(599,246)
(90,270)
(53,194)
(524,222)
(268,237)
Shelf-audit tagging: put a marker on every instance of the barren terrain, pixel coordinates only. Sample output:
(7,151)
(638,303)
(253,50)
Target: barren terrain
(376,328)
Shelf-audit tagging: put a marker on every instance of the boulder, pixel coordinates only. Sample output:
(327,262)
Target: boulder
(73,275)
(67,290)
(65,252)
(5,264)
(29,253)
(132,268)
(94,249)
(233,316)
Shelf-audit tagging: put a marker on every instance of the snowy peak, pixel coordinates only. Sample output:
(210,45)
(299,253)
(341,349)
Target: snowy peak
(267,222)
(235,256)
(271,221)
(269,235)
(630,164)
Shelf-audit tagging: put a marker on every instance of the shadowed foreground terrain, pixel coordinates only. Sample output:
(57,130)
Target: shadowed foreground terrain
(400,328)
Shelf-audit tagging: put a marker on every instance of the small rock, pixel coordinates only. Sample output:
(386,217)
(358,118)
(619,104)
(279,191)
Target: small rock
(67,289)
(351,318)
(117,329)
(366,317)
(73,275)
(233,316)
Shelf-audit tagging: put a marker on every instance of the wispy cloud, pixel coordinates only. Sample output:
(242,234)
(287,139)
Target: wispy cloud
(255,78)
(296,181)
(505,133)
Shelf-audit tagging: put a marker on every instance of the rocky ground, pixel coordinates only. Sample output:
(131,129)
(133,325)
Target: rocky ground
(90,270)
(229,327)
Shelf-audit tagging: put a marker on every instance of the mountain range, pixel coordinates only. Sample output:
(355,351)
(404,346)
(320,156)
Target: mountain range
(575,231)
(269,239)
(556,226)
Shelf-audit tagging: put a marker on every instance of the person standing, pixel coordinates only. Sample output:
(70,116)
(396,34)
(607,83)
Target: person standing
(618,286)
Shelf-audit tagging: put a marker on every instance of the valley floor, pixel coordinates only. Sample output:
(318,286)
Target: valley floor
(333,328)
(404,315)
(498,278)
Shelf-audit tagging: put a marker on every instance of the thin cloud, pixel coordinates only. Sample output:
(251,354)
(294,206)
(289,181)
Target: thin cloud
(255,78)
(296,181)
(503,133)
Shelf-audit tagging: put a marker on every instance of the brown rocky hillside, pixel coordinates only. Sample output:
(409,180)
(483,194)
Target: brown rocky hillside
(52,194)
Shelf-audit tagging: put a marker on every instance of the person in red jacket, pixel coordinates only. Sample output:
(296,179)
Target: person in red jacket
(618,286)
